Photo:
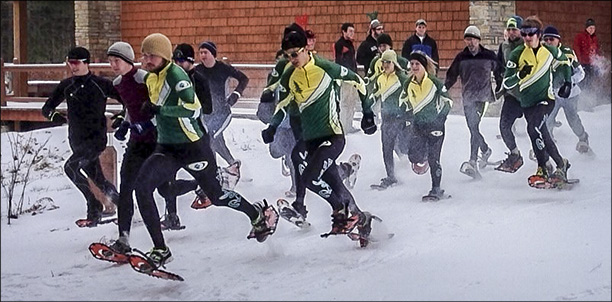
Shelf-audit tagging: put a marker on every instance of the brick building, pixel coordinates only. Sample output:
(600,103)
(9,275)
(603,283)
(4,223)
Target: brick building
(250,31)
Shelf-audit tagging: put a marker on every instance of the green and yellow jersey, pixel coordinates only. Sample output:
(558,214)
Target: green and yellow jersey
(311,92)
(388,88)
(177,121)
(427,100)
(537,85)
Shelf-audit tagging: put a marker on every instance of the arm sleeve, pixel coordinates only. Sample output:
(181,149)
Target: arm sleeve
(452,73)
(406,49)
(434,53)
(243,80)
(202,91)
(338,52)
(56,98)
(511,75)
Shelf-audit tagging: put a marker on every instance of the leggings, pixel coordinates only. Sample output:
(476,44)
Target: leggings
(198,159)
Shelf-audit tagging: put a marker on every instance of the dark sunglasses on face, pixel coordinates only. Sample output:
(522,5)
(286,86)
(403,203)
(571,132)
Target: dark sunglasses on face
(549,39)
(295,53)
(530,31)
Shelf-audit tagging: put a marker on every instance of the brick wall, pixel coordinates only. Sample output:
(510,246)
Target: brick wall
(570,16)
(250,32)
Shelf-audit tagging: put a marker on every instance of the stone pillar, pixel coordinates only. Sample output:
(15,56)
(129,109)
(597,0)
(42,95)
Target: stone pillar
(490,17)
(97,24)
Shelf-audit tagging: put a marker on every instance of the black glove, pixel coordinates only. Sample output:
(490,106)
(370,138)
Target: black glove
(565,90)
(525,71)
(268,134)
(122,131)
(141,127)
(233,98)
(117,119)
(267,96)
(57,117)
(367,123)
(149,108)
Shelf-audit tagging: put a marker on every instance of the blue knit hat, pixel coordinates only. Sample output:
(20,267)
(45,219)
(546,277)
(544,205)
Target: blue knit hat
(210,45)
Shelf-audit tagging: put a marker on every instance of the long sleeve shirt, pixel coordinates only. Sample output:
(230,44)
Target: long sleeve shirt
(475,72)
(86,98)
(536,86)
(177,120)
(311,93)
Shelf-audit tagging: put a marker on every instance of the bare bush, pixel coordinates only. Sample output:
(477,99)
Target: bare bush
(25,155)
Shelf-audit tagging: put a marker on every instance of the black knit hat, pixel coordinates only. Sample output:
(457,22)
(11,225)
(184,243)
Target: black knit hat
(551,31)
(589,22)
(79,53)
(211,46)
(419,56)
(184,51)
(294,36)
(384,39)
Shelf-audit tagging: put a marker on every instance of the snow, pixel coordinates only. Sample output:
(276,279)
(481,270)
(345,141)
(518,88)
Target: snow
(495,239)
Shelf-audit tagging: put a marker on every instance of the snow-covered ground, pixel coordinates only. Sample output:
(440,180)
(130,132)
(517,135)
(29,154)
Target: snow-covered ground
(495,239)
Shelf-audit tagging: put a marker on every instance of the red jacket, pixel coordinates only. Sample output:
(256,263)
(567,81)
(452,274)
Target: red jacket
(586,46)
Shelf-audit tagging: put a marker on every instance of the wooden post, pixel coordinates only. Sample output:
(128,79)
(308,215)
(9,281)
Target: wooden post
(20,46)
(108,161)
(3,95)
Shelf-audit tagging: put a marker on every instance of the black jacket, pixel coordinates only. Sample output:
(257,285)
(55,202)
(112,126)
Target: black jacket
(344,52)
(368,49)
(86,99)
(475,72)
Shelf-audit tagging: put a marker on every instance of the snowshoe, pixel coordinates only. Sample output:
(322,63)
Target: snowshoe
(470,170)
(171,222)
(351,179)
(201,201)
(511,164)
(435,194)
(342,223)
(144,264)
(483,161)
(104,252)
(287,212)
(363,230)
(266,223)
(384,184)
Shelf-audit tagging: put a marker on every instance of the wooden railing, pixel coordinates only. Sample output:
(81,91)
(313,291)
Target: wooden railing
(17,105)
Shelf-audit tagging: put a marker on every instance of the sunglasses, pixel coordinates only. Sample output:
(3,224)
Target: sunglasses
(379,28)
(294,54)
(549,39)
(529,31)
(75,61)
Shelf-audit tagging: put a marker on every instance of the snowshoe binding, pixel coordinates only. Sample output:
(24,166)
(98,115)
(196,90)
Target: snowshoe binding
(265,224)
(289,213)
(511,164)
(470,169)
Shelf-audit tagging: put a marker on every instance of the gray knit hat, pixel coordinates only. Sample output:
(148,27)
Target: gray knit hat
(122,50)
(472,31)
